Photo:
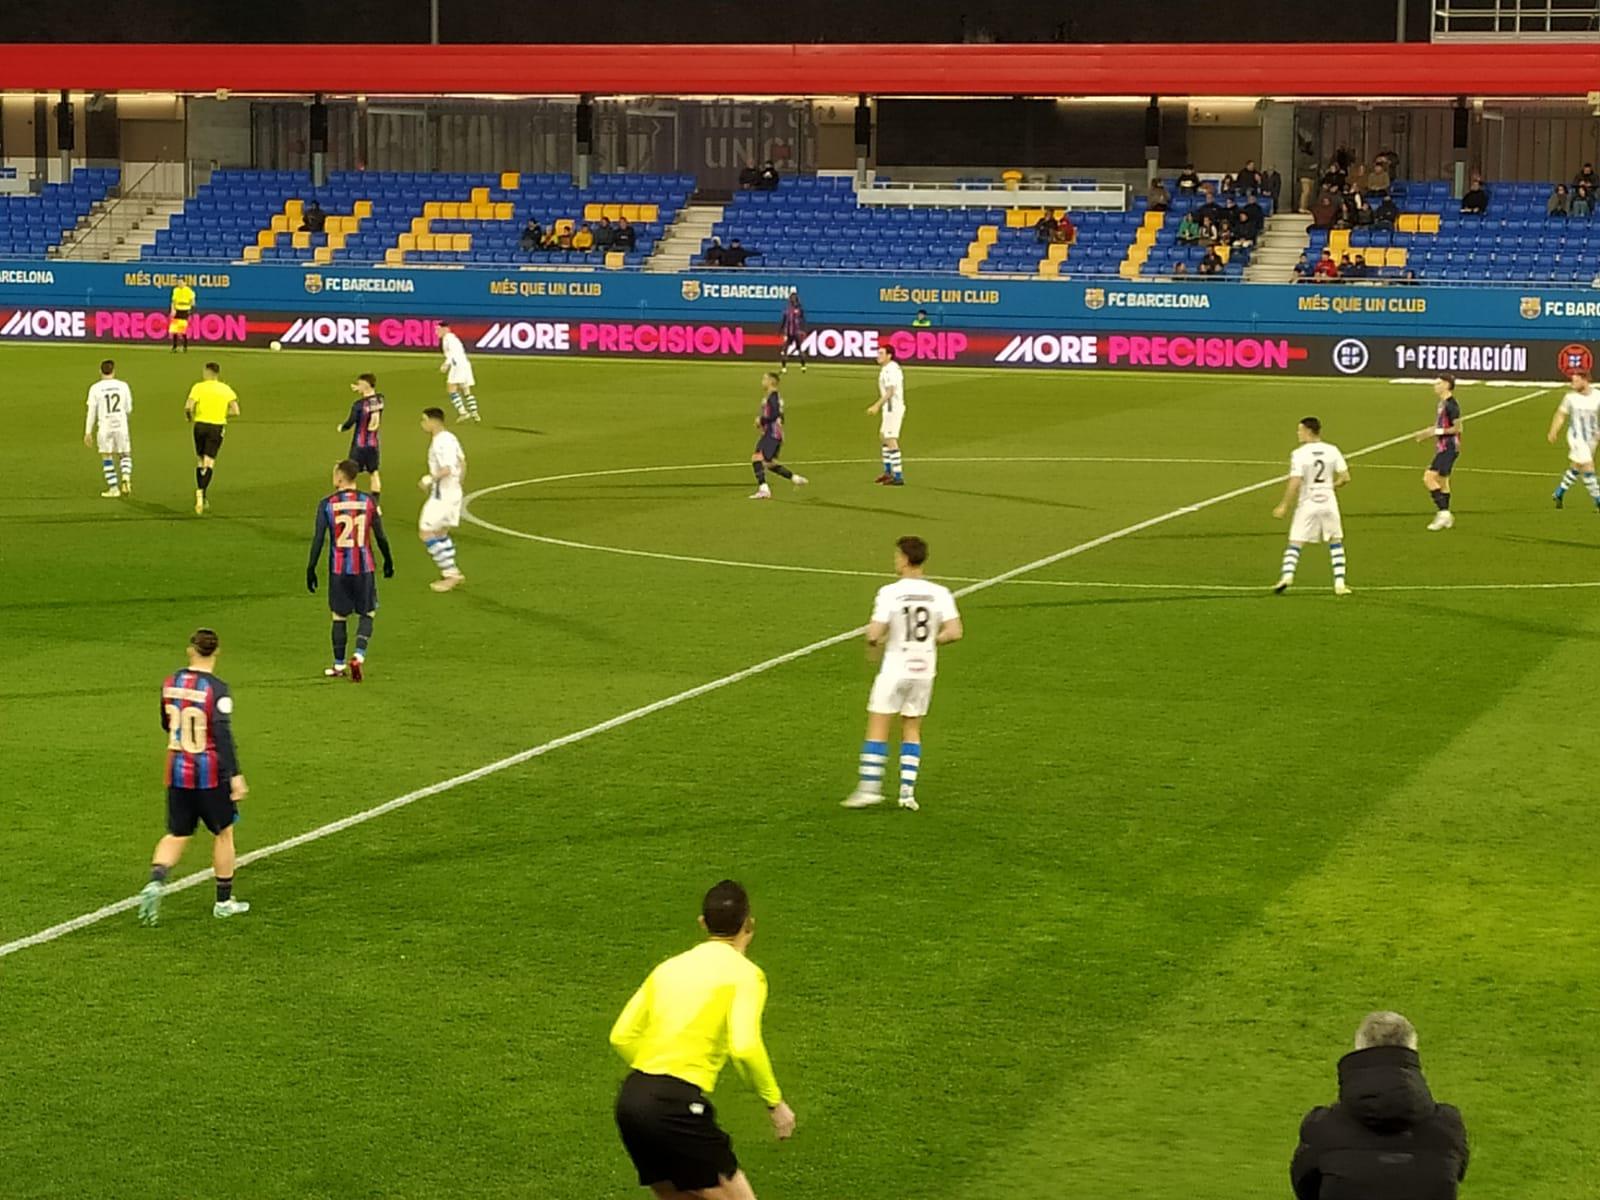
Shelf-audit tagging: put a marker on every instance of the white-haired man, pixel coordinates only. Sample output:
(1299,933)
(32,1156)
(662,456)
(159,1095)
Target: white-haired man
(1386,1138)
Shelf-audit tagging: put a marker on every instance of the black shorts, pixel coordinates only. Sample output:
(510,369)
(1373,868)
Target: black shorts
(793,343)
(1444,462)
(188,807)
(208,439)
(769,448)
(353,594)
(365,457)
(670,1130)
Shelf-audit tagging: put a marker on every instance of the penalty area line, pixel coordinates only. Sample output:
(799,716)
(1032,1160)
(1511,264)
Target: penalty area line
(129,903)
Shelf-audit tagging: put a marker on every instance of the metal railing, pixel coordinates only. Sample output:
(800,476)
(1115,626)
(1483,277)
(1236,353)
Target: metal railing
(1516,20)
(124,214)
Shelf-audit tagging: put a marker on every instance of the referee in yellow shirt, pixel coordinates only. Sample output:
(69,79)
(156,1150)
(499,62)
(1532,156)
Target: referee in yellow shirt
(211,402)
(178,315)
(692,1014)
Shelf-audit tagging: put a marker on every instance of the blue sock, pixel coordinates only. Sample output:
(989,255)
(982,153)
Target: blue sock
(1568,478)
(1336,551)
(910,762)
(873,756)
(108,465)
(1593,484)
(894,464)
(1291,560)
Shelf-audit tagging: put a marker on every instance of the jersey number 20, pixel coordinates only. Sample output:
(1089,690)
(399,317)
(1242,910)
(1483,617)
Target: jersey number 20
(917,623)
(186,729)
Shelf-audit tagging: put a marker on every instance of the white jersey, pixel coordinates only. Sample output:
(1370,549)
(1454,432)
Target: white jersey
(1582,410)
(913,609)
(892,388)
(109,406)
(445,454)
(1317,465)
(455,354)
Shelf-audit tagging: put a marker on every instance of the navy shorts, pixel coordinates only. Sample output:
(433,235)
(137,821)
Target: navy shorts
(365,457)
(208,439)
(1444,462)
(188,807)
(352,594)
(769,448)
(670,1130)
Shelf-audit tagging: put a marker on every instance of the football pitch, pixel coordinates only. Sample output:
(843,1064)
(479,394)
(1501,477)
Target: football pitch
(1177,834)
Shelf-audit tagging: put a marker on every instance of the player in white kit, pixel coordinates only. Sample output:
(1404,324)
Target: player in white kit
(441,511)
(1580,411)
(1316,472)
(911,619)
(890,410)
(105,427)
(458,378)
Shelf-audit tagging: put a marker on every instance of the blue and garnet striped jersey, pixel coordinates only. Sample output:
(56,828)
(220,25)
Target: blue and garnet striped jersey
(772,416)
(351,522)
(1449,414)
(196,713)
(366,417)
(794,321)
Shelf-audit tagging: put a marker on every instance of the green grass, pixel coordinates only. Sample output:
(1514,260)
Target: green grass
(1174,842)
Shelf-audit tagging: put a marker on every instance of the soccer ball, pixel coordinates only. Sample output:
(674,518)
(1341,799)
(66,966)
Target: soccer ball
(276,345)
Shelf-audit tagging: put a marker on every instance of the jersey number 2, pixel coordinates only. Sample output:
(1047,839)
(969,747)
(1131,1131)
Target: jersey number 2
(1322,472)
(917,623)
(350,530)
(186,729)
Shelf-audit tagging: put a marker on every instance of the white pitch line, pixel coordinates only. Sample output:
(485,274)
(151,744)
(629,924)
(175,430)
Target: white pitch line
(128,903)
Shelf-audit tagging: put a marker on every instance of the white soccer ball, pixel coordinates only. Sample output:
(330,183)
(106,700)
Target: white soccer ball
(276,345)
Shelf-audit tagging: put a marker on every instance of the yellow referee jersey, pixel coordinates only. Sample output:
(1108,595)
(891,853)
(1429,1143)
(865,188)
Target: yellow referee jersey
(693,1013)
(182,299)
(211,398)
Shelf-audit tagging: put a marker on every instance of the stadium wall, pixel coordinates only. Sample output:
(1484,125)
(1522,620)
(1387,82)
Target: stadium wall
(1487,332)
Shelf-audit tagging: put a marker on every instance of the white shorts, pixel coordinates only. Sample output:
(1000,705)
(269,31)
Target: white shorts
(461,377)
(1316,523)
(1579,451)
(889,423)
(901,695)
(441,512)
(115,441)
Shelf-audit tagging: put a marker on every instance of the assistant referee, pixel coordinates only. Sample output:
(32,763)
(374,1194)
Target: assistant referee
(211,402)
(693,1013)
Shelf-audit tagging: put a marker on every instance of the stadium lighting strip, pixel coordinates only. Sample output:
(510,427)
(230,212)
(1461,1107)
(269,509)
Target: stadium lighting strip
(129,903)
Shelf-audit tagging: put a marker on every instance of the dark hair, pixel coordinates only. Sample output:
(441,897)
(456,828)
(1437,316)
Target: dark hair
(205,641)
(368,378)
(1449,380)
(349,468)
(725,909)
(914,548)
(1312,424)
(107,367)
(887,349)
(214,369)
(436,414)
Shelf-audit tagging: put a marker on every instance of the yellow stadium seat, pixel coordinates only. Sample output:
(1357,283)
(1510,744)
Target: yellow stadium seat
(450,210)
(323,256)
(1144,236)
(363,209)
(1154,220)
(1407,223)
(977,249)
(394,257)
(301,240)
(295,210)
(462,242)
(1016,218)
(280,223)
(408,241)
(266,237)
(336,240)
(427,241)
(988,234)
(630,212)
(1396,257)
(433,209)
(421,224)
(1338,241)
(504,211)
(480,195)
(1129,269)
(564,225)
(1050,266)
(613,211)
(614,260)
(591,212)
(1057,252)
(649,213)
(1011,178)
(1428,223)
(252,254)
(510,181)
(1223,250)
(968,266)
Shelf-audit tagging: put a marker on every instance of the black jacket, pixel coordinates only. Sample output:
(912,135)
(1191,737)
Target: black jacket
(1386,1138)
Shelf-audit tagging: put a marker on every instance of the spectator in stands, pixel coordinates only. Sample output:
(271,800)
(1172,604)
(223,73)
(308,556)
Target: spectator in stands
(715,255)
(1476,201)
(627,236)
(1188,229)
(1358,269)
(314,220)
(1582,201)
(1335,177)
(532,236)
(1325,211)
(1387,213)
(1248,180)
(1254,218)
(605,235)
(1274,186)
(1386,1138)
(1065,231)
(1408,276)
(1211,264)
(1559,203)
(583,238)
(1586,177)
(1345,266)
(1302,267)
(736,255)
(1326,267)
(1226,187)
(1188,181)
(1358,177)
(1044,229)
(1157,198)
(748,176)
(1180,270)
(1209,234)
(922,320)
(767,179)
(1378,178)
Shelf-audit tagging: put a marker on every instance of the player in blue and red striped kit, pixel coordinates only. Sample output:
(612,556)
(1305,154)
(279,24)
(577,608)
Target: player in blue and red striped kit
(770,444)
(203,779)
(366,419)
(352,522)
(793,328)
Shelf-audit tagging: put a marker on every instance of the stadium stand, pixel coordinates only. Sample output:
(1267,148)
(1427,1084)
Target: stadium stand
(31,226)
(412,217)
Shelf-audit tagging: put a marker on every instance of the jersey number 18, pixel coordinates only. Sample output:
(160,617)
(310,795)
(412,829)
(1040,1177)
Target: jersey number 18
(917,623)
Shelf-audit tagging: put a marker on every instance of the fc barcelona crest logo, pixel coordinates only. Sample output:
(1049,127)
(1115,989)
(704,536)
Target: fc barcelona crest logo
(691,289)
(1530,308)
(1094,297)
(313,284)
